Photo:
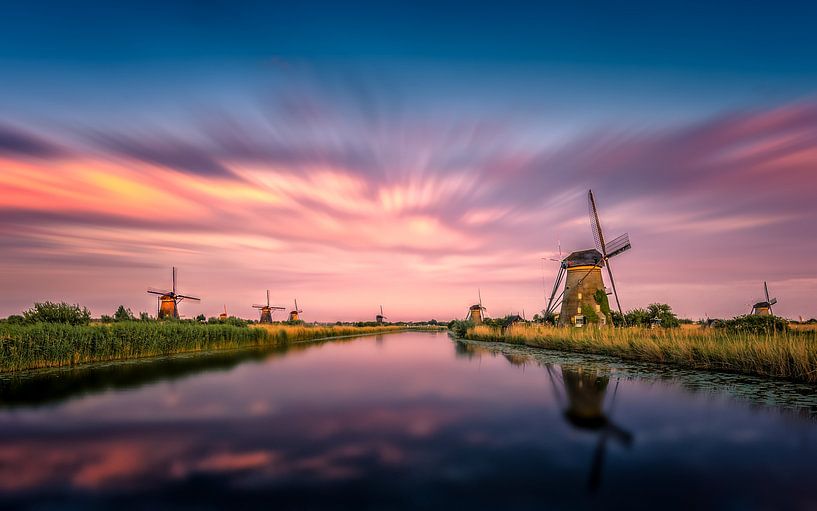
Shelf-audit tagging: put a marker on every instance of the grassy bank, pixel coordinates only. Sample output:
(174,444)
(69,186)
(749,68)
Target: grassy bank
(790,355)
(41,345)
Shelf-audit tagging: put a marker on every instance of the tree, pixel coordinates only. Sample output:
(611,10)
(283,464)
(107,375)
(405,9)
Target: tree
(201,318)
(644,317)
(144,316)
(123,314)
(663,312)
(49,312)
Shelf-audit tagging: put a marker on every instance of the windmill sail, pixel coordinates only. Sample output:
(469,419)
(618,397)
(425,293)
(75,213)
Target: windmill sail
(616,246)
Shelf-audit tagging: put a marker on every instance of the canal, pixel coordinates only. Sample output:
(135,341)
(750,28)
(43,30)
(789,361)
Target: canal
(411,420)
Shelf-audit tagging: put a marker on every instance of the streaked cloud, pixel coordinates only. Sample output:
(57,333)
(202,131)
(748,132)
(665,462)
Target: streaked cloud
(327,191)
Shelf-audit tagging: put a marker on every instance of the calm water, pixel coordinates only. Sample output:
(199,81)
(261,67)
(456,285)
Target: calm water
(412,420)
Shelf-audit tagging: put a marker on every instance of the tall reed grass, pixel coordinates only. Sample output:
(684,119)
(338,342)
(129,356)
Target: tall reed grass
(790,355)
(40,345)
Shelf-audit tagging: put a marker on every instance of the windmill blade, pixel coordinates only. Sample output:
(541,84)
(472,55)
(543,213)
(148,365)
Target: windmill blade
(773,301)
(766,290)
(615,293)
(618,245)
(155,291)
(267,297)
(174,279)
(278,308)
(595,223)
(256,306)
(559,277)
(186,297)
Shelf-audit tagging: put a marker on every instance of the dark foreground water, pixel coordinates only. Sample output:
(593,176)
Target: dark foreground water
(411,420)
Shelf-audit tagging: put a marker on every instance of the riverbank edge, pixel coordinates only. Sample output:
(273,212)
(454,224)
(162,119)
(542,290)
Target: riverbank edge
(566,345)
(272,341)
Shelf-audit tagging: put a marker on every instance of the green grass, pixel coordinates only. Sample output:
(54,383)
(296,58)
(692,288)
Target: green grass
(789,355)
(39,345)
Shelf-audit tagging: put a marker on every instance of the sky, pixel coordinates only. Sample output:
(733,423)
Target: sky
(405,154)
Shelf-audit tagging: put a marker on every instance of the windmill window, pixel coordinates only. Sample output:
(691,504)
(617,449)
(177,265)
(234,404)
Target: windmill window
(579,321)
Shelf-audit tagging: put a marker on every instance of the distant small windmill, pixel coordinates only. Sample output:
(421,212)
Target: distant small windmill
(764,308)
(168,301)
(267,310)
(380,317)
(476,311)
(294,314)
(223,315)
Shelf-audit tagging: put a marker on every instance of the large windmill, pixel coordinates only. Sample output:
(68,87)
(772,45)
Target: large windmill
(584,295)
(168,301)
(294,314)
(476,311)
(764,308)
(380,317)
(267,310)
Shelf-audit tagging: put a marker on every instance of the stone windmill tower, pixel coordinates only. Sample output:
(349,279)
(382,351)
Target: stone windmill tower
(584,297)
(267,310)
(764,308)
(476,312)
(168,301)
(294,315)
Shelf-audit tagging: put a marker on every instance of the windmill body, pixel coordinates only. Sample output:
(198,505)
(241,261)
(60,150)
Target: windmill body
(168,301)
(476,312)
(267,310)
(584,299)
(294,314)
(380,318)
(223,315)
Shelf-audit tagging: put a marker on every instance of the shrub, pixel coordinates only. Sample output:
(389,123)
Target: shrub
(460,326)
(755,324)
(48,312)
(123,314)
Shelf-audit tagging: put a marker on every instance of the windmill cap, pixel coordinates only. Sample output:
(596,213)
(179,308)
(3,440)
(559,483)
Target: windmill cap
(760,305)
(475,307)
(590,257)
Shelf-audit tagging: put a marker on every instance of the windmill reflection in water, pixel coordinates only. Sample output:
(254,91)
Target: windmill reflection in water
(581,392)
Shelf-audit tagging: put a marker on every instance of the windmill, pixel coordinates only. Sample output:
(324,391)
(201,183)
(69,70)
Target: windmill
(584,297)
(267,310)
(223,315)
(476,311)
(764,308)
(168,301)
(294,314)
(380,317)
(583,397)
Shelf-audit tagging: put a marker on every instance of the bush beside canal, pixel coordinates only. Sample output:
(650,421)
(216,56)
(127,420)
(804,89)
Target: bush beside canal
(788,354)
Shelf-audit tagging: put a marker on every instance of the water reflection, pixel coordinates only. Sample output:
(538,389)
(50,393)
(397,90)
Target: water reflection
(583,401)
(404,422)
